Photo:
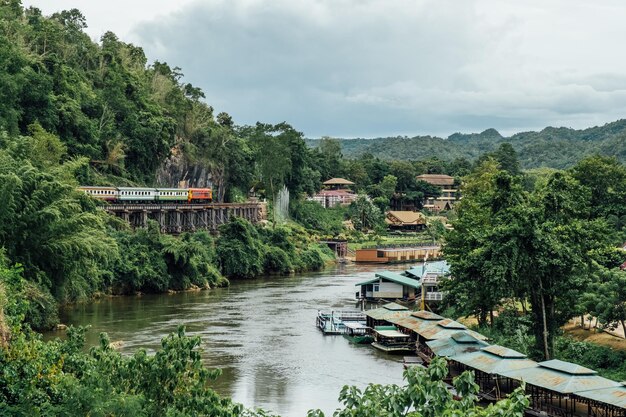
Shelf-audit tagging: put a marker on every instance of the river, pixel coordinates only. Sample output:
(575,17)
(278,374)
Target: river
(260,332)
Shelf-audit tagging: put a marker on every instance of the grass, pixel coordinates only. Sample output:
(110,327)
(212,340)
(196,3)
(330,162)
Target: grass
(599,338)
(390,240)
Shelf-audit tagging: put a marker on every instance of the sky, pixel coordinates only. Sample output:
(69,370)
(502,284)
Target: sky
(372,68)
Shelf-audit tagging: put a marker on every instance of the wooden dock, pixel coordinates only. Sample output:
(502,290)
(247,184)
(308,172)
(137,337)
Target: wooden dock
(333,323)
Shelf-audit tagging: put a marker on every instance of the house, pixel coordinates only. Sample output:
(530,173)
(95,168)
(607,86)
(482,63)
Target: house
(389,285)
(405,220)
(430,276)
(449,192)
(336,192)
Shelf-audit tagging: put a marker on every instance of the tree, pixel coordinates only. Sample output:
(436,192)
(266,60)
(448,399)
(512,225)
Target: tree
(364,214)
(539,245)
(405,173)
(605,178)
(239,249)
(54,230)
(507,159)
(226,156)
(611,299)
(478,285)
(425,395)
(329,158)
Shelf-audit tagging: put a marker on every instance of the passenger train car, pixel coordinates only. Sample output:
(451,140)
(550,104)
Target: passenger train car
(131,195)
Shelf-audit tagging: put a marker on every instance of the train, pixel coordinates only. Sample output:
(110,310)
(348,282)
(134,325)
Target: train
(138,195)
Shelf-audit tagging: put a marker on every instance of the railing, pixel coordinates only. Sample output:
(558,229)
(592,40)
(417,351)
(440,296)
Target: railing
(413,245)
(433,296)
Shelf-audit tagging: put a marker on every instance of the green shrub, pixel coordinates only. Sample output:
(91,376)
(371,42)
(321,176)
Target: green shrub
(314,217)
(42,310)
(276,261)
(239,249)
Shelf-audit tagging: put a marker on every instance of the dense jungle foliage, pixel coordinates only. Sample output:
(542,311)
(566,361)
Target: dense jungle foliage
(548,243)
(555,147)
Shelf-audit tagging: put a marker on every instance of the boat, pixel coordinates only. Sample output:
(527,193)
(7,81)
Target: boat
(358,333)
(390,340)
(334,323)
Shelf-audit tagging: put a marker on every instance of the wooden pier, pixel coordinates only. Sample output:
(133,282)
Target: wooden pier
(334,322)
(178,218)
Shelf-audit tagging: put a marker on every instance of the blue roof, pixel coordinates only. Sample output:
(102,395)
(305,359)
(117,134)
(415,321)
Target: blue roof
(439,267)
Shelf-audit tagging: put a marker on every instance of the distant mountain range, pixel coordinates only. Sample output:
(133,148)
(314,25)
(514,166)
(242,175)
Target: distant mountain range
(552,147)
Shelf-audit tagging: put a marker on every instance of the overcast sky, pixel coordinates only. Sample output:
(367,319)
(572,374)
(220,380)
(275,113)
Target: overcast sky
(367,68)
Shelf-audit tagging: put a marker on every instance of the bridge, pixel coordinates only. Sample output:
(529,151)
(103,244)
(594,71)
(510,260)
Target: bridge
(178,218)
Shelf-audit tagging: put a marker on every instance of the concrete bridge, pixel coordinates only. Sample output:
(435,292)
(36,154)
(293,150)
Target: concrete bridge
(178,218)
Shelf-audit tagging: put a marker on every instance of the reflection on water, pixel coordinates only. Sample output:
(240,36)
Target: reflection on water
(261,333)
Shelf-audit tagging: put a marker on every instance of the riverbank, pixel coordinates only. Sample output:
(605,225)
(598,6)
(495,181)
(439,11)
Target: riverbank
(260,333)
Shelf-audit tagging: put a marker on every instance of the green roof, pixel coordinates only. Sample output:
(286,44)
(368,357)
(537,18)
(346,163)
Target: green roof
(560,381)
(385,328)
(393,277)
(426,315)
(567,367)
(416,271)
(458,344)
(614,395)
(394,307)
(490,360)
(388,311)
(504,352)
(451,324)
(465,337)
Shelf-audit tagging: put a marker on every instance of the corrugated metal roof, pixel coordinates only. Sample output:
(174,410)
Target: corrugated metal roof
(559,381)
(451,347)
(504,352)
(451,324)
(393,277)
(614,396)
(385,314)
(426,315)
(410,323)
(436,332)
(395,307)
(439,267)
(491,363)
(567,367)
(401,279)
(465,337)
(416,271)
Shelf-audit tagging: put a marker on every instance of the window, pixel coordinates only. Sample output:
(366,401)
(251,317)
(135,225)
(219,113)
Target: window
(376,287)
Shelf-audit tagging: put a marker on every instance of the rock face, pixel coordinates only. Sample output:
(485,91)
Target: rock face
(177,171)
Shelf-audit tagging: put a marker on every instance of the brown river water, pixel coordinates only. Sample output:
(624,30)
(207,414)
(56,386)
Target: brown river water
(260,332)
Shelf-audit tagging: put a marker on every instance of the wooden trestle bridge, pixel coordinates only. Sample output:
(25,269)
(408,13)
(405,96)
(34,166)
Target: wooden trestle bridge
(178,218)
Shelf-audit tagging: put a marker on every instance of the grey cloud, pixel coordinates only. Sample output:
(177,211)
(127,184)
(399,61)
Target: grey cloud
(385,67)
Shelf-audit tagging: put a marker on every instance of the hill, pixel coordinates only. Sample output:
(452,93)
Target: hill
(551,147)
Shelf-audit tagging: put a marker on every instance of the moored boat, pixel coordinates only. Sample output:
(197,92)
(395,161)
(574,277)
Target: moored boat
(358,333)
(389,339)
